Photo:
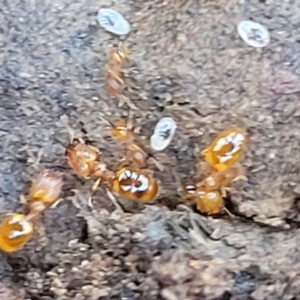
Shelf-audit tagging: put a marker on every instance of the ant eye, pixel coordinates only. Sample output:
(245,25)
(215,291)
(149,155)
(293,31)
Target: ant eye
(191,189)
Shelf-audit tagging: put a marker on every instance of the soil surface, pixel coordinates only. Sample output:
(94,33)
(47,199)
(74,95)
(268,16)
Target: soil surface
(187,61)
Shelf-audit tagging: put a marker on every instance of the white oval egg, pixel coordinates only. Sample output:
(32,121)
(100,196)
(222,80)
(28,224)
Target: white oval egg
(112,21)
(254,34)
(163,134)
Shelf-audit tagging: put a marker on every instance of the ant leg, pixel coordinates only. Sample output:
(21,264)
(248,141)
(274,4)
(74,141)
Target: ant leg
(121,100)
(230,190)
(56,203)
(40,229)
(179,186)
(130,120)
(240,177)
(224,191)
(152,159)
(114,201)
(23,199)
(111,124)
(203,152)
(120,164)
(229,213)
(125,100)
(94,188)
(81,140)
(125,73)
(96,184)
(33,216)
(71,132)
(158,165)
(115,75)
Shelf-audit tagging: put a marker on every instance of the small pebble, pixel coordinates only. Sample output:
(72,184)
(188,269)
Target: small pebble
(163,134)
(113,22)
(253,34)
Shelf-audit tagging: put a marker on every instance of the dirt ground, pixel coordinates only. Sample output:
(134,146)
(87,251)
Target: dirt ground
(187,61)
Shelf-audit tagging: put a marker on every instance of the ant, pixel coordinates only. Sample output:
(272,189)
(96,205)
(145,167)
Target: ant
(129,182)
(134,181)
(87,161)
(222,155)
(115,83)
(116,73)
(124,132)
(17,229)
(226,149)
(209,193)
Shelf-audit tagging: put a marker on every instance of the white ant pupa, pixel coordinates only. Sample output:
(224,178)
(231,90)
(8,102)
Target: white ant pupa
(113,21)
(254,34)
(163,134)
